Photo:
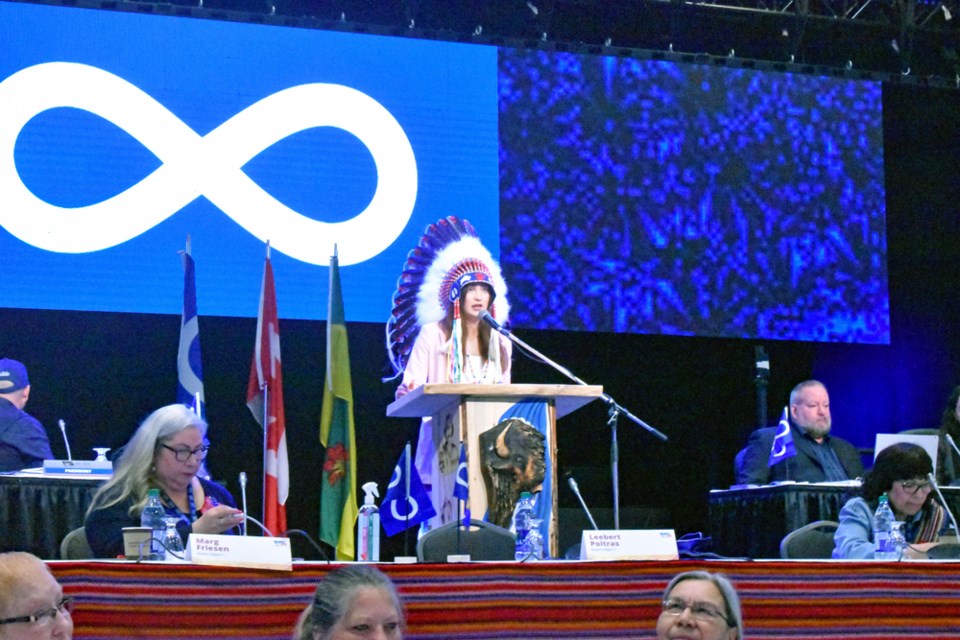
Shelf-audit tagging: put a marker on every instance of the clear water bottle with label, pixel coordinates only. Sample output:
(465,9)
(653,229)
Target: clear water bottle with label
(154,517)
(522,522)
(883,519)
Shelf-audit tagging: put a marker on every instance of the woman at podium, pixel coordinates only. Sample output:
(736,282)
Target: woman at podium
(435,333)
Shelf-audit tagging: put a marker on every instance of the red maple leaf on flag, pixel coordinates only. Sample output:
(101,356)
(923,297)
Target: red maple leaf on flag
(336,463)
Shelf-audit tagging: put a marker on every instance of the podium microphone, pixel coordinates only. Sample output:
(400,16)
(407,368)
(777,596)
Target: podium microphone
(953,444)
(243,498)
(490,320)
(63,430)
(946,507)
(576,490)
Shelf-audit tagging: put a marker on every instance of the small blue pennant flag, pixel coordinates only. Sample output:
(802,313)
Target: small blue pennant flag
(782,447)
(462,489)
(406,503)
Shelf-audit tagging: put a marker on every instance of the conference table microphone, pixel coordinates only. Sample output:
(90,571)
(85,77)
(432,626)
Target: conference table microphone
(576,490)
(953,444)
(490,320)
(243,499)
(946,507)
(63,430)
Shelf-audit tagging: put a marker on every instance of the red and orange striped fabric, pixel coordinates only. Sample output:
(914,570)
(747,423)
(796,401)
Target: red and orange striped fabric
(836,600)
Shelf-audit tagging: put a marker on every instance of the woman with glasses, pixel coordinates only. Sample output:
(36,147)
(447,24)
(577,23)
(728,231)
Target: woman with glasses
(164,453)
(900,471)
(702,605)
(32,605)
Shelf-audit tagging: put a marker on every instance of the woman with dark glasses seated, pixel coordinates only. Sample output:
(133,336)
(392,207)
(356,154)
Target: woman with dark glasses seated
(165,453)
(901,473)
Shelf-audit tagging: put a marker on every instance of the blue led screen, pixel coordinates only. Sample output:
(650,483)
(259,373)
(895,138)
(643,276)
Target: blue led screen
(627,195)
(651,197)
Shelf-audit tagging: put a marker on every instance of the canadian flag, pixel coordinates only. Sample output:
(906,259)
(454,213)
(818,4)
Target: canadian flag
(265,399)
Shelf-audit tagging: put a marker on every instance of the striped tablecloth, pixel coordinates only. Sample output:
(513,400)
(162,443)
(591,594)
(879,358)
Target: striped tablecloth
(833,600)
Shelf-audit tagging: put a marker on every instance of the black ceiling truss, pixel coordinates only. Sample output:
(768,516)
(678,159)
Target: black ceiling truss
(895,40)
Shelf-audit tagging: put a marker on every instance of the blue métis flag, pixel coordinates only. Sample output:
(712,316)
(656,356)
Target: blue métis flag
(783,446)
(189,368)
(461,490)
(406,503)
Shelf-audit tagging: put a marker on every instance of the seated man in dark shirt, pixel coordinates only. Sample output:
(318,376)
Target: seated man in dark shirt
(23,440)
(820,457)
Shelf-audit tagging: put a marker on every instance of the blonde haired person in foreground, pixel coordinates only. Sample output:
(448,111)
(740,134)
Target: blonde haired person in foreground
(350,603)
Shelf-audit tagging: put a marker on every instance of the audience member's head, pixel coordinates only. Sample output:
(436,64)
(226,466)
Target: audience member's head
(810,408)
(32,605)
(900,471)
(701,605)
(353,601)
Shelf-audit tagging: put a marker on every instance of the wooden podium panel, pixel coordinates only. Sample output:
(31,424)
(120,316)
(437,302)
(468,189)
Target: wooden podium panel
(462,412)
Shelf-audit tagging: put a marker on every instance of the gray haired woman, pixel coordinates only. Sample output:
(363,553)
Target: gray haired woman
(351,602)
(702,604)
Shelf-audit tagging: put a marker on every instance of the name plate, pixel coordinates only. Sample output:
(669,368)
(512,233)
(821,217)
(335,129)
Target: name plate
(240,551)
(83,467)
(629,544)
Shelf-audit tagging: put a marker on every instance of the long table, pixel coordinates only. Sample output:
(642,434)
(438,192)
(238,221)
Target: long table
(836,600)
(751,522)
(37,511)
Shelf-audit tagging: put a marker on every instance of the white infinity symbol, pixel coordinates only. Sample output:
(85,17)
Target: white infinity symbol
(210,165)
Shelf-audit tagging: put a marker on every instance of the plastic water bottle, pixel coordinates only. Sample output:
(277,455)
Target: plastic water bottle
(368,526)
(522,521)
(883,519)
(154,517)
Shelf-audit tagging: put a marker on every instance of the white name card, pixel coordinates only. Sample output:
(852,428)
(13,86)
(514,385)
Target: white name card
(240,551)
(629,544)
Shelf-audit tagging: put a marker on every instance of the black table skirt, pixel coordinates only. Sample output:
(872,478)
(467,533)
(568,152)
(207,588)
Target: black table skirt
(37,512)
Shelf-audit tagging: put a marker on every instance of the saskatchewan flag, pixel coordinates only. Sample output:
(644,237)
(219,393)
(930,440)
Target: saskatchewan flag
(338,492)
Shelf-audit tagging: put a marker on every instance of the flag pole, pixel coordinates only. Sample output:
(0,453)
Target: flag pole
(265,388)
(406,497)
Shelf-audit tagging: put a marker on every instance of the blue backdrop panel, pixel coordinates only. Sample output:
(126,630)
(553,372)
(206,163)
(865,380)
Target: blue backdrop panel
(199,127)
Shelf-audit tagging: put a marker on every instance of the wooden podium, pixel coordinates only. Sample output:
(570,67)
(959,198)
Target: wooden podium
(462,412)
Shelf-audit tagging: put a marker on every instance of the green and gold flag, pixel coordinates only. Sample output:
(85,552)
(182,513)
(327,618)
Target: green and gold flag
(338,492)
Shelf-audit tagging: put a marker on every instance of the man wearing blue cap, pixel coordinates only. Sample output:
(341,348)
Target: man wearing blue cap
(23,440)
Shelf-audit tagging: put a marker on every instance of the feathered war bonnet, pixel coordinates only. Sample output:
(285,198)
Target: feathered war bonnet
(448,257)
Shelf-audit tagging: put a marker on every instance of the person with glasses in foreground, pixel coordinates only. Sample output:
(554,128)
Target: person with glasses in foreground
(698,605)
(164,453)
(32,604)
(900,471)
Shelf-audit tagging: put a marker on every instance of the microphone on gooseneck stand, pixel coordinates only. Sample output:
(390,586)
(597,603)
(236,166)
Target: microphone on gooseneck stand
(243,499)
(946,507)
(63,430)
(953,444)
(576,490)
(490,320)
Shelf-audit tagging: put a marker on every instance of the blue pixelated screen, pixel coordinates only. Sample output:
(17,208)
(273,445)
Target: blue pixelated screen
(644,196)
(620,195)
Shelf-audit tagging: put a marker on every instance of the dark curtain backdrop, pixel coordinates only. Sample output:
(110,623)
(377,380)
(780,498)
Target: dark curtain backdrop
(103,373)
